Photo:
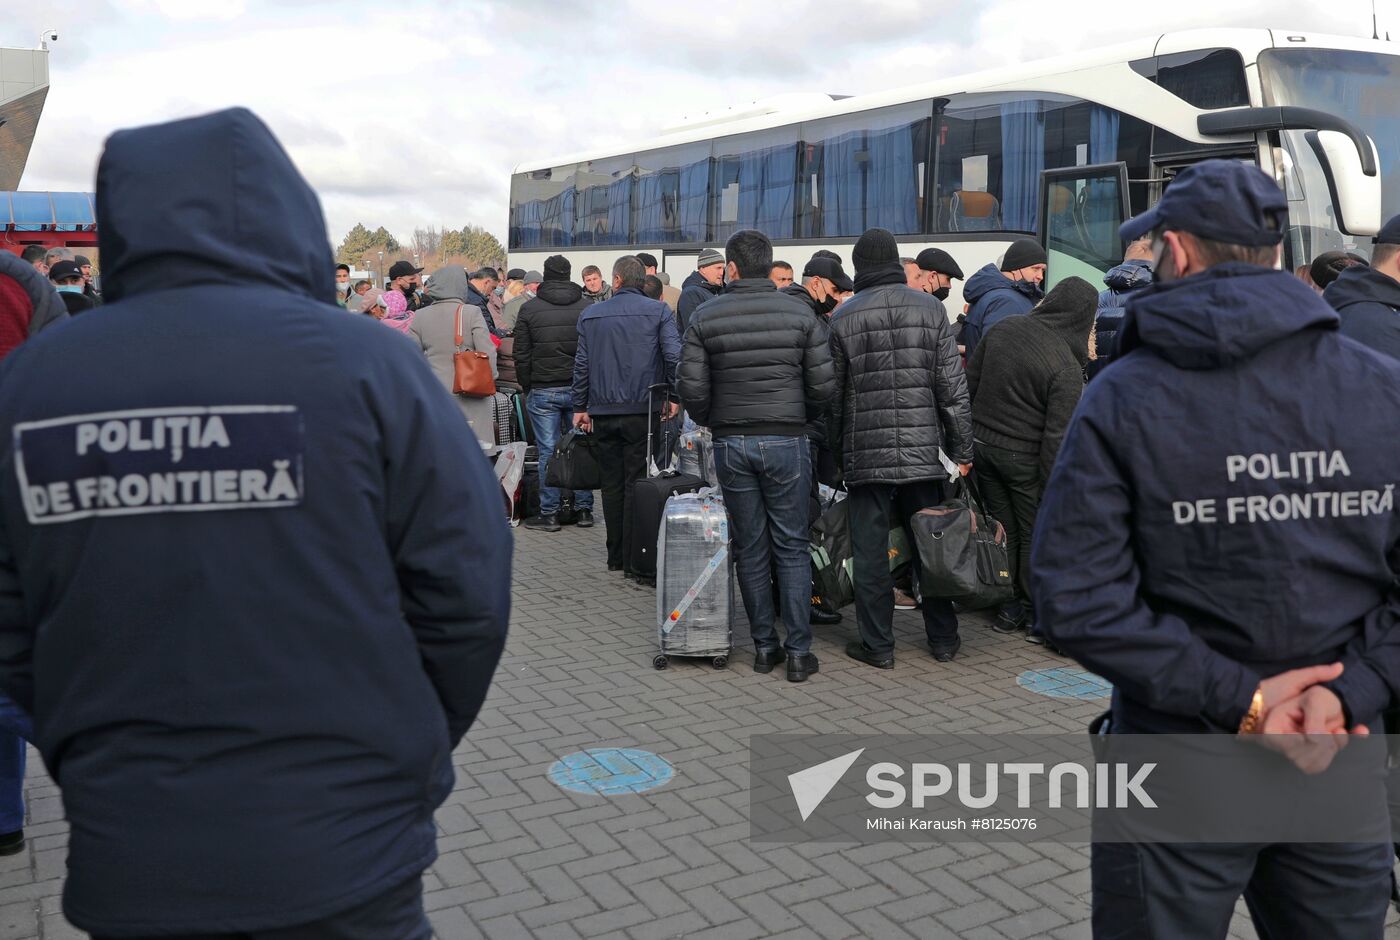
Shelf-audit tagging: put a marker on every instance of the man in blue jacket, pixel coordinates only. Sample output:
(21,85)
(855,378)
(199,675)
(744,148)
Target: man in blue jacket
(1368,298)
(994,293)
(1219,540)
(254,577)
(1132,275)
(626,344)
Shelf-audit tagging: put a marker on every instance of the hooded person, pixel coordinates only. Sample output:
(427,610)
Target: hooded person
(995,292)
(1025,380)
(396,312)
(250,713)
(436,327)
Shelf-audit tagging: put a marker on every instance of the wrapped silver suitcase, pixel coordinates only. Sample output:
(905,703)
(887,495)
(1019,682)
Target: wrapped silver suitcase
(695,454)
(694,580)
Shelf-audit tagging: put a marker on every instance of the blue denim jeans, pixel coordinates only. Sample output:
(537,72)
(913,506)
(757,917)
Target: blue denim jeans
(15,729)
(765,480)
(552,412)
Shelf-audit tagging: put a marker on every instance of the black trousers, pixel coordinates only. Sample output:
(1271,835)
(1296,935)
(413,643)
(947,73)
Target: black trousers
(1322,891)
(621,448)
(1011,487)
(397,914)
(873,509)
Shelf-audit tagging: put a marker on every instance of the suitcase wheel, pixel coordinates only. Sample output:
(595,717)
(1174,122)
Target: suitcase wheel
(660,662)
(720,662)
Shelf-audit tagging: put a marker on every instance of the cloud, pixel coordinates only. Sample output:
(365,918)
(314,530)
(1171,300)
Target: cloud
(415,115)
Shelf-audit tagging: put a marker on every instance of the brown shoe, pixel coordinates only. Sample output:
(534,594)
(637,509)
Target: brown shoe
(903,601)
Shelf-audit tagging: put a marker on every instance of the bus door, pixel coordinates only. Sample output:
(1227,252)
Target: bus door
(1081,208)
(679,264)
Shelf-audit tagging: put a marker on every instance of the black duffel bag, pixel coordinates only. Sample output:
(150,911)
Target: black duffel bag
(963,554)
(574,466)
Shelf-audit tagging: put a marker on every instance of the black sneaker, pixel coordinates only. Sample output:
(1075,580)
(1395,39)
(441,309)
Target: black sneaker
(800,667)
(1006,624)
(543,523)
(944,650)
(12,843)
(764,661)
(584,519)
(857,651)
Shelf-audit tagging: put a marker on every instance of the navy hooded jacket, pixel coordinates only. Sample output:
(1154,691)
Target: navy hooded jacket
(992,297)
(1222,511)
(1122,280)
(1369,305)
(626,344)
(695,290)
(254,575)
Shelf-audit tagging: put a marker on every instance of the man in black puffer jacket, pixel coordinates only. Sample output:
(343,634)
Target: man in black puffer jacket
(546,339)
(900,396)
(756,366)
(1025,378)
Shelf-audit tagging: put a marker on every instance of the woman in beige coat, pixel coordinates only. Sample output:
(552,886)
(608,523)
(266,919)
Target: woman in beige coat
(434,328)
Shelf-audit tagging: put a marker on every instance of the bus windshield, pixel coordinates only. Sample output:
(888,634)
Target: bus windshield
(1360,86)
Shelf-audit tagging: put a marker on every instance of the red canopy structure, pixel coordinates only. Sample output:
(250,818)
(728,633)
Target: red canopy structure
(54,220)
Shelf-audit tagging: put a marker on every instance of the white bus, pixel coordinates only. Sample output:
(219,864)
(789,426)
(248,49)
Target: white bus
(1061,150)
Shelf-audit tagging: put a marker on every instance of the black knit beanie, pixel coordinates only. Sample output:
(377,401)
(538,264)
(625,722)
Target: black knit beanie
(557,268)
(1023,253)
(875,248)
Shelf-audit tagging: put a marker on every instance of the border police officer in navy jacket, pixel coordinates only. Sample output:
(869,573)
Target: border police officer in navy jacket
(254,574)
(1219,540)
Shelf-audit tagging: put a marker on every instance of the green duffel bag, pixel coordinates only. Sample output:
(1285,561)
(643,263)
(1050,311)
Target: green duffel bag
(832,576)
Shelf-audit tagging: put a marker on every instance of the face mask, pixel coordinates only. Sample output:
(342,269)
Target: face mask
(826,306)
(942,293)
(70,288)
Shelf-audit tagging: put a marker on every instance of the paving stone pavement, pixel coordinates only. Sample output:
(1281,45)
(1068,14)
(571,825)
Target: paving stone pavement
(519,857)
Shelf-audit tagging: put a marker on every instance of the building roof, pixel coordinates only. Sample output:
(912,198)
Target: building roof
(24,85)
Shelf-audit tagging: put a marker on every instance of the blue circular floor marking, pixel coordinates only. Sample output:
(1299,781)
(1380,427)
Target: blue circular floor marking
(611,771)
(1064,682)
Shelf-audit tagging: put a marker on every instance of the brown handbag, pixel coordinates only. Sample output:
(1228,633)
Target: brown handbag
(471,369)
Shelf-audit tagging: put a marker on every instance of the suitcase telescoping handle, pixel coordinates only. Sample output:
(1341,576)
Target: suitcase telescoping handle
(652,469)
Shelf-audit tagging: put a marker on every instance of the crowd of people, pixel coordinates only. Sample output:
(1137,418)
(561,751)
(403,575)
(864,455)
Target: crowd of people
(1134,440)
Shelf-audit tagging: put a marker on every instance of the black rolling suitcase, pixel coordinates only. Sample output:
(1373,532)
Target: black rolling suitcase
(648,503)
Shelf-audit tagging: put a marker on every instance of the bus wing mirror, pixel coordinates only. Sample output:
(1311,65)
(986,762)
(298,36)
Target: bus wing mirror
(1356,195)
(1254,120)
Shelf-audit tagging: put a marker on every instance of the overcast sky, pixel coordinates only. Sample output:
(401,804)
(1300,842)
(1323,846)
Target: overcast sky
(413,113)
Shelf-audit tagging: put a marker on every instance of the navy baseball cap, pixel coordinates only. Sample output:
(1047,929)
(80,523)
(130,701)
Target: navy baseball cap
(1222,200)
